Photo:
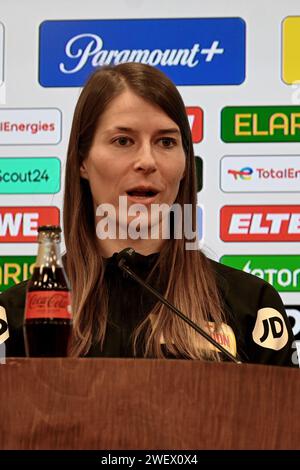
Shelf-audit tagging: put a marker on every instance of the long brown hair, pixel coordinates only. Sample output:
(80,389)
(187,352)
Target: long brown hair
(190,285)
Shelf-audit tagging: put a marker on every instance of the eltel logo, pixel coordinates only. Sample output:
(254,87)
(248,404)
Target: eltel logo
(260,223)
(260,124)
(195,116)
(20,224)
(208,51)
(260,173)
(270,330)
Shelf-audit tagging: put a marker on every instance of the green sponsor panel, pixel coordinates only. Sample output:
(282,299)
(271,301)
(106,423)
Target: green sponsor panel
(15,269)
(282,271)
(260,124)
(34,175)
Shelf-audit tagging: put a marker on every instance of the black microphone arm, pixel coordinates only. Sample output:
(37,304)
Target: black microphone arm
(125,256)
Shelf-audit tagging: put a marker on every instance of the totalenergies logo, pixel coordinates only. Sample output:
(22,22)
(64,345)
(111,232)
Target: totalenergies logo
(260,173)
(242,174)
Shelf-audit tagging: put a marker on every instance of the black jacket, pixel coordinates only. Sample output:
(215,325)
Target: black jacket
(257,329)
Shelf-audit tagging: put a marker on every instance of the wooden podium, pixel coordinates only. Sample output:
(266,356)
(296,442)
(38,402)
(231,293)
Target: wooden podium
(147,404)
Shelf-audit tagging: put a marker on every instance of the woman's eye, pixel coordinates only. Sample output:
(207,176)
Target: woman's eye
(123,141)
(168,142)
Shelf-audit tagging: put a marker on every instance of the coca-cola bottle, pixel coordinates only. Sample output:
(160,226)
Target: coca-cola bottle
(48,320)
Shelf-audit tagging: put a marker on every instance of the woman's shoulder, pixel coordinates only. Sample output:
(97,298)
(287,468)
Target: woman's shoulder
(232,278)
(13,301)
(15,294)
(246,295)
(256,312)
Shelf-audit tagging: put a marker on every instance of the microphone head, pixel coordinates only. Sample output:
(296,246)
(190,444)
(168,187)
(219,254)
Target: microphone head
(126,255)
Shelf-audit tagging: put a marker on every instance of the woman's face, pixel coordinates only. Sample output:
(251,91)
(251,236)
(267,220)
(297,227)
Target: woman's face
(136,152)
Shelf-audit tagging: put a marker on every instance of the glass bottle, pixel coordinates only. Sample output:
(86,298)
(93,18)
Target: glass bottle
(48,319)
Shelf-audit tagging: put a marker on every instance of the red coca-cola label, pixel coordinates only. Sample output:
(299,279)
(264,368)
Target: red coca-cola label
(48,304)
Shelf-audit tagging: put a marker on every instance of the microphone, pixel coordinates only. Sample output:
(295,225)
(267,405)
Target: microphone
(126,256)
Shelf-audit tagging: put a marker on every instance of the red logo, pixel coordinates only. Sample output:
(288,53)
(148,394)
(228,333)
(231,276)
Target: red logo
(51,301)
(195,115)
(20,224)
(260,223)
(48,304)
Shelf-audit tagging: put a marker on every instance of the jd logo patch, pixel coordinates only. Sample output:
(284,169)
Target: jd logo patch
(270,329)
(4,334)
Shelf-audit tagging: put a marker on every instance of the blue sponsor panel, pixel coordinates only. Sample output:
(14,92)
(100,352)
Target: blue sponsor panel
(200,222)
(195,51)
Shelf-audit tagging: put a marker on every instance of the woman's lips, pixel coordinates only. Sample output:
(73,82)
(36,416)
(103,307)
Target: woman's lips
(146,200)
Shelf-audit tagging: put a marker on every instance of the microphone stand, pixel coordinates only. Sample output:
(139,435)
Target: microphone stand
(122,265)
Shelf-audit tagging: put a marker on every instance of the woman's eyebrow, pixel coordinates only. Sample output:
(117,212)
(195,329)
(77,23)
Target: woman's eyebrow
(169,130)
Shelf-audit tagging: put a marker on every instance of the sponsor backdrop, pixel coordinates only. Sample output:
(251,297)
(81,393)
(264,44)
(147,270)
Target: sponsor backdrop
(237,66)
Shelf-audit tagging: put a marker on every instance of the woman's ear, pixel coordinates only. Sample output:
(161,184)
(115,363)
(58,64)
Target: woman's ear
(83,171)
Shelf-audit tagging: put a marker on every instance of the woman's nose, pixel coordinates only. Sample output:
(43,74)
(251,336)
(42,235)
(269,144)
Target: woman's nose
(145,159)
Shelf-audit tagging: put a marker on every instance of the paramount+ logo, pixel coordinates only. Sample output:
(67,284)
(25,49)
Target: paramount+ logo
(260,223)
(208,51)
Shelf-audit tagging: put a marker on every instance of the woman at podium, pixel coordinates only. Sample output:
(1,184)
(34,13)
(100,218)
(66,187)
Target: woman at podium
(130,181)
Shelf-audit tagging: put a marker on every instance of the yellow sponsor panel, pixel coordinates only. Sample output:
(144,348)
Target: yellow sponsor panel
(291,50)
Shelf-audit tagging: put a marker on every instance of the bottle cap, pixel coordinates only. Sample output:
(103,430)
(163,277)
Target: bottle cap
(49,228)
(49,232)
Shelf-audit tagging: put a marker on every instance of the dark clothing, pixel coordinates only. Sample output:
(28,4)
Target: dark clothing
(257,329)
